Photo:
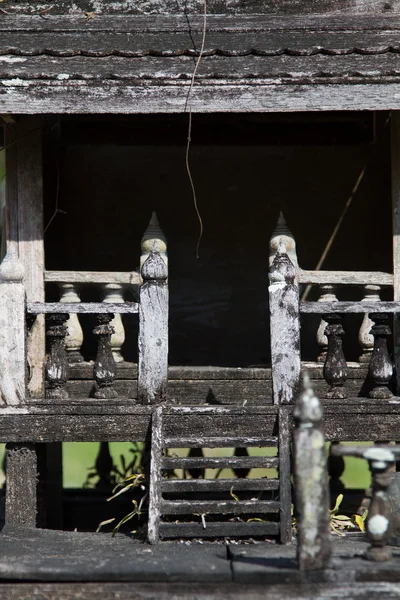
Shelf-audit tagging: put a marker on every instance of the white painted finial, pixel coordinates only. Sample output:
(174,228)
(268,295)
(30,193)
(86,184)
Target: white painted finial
(282,234)
(11,268)
(153,238)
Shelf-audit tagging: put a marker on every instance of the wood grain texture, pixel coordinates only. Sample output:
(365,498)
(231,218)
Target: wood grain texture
(220,529)
(345,277)
(128,278)
(155,496)
(349,307)
(117,97)
(283,7)
(39,308)
(22,479)
(285,494)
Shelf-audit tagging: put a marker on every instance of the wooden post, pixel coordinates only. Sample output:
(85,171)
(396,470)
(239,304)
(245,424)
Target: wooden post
(285,495)
(153,525)
(285,328)
(21,485)
(395,122)
(12,331)
(153,331)
(311,483)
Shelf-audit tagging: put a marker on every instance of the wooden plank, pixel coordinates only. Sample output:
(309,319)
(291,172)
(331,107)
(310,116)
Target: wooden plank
(395,158)
(187,42)
(155,497)
(345,277)
(229,462)
(38,308)
(218,442)
(219,485)
(128,278)
(212,96)
(349,307)
(217,507)
(290,69)
(285,494)
(21,490)
(285,7)
(175,23)
(215,529)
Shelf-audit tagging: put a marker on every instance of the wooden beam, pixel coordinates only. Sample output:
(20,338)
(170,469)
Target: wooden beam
(128,278)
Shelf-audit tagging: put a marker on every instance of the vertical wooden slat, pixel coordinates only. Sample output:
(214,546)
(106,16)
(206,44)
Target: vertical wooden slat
(22,473)
(395,121)
(285,497)
(153,526)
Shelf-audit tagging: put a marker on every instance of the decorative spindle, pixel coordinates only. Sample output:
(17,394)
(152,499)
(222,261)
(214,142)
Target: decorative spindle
(365,337)
(282,235)
(104,466)
(74,339)
(335,471)
(335,368)
(380,514)
(57,368)
(113,294)
(327,295)
(311,482)
(380,367)
(104,370)
(153,239)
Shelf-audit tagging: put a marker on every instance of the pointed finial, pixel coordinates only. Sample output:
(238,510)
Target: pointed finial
(153,237)
(308,410)
(282,234)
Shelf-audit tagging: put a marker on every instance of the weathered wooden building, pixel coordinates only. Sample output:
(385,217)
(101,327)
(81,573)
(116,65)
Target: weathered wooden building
(294,109)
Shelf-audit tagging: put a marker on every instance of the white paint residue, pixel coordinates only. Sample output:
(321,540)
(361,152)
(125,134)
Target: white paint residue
(377,525)
(15,82)
(12,59)
(62,76)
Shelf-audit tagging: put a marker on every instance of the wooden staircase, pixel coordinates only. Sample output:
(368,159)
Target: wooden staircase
(203,507)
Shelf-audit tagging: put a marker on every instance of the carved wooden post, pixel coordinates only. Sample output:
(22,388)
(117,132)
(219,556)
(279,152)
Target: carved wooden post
(12,331)
(113,295)
(57,369)
(380,366)
(335,368)
(104,466)
(153,238)
(153,331)
(74,339)
(379,521)
(104,369)
(311,483)
(327,294)
(282,235)
(365,338)
(285,327)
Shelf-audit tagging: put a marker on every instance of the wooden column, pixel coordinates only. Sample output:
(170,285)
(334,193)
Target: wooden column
(24,206)
(396,236)
(153,331)
(285,328)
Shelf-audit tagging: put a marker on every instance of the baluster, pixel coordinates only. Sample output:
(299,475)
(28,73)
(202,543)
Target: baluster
(196,473)
(327,294)
(113,295)
(282,235)
(104,369)
(74,340)
(153,239)
(335,471)
(241,473)
(335,368)
(57,368)
(365,338)
(380,366)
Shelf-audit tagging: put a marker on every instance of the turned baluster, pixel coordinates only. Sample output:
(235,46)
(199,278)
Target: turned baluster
(74,339)
(57,368)
(104,370)
(365,337)
(335,368)
(104,466)
(113,294)
(380,367)
(327,294)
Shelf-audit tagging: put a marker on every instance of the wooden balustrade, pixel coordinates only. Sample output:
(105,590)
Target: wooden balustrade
(69,293)
(104,369)
(57,370)
(380,366)
(328,294)
(365,337)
